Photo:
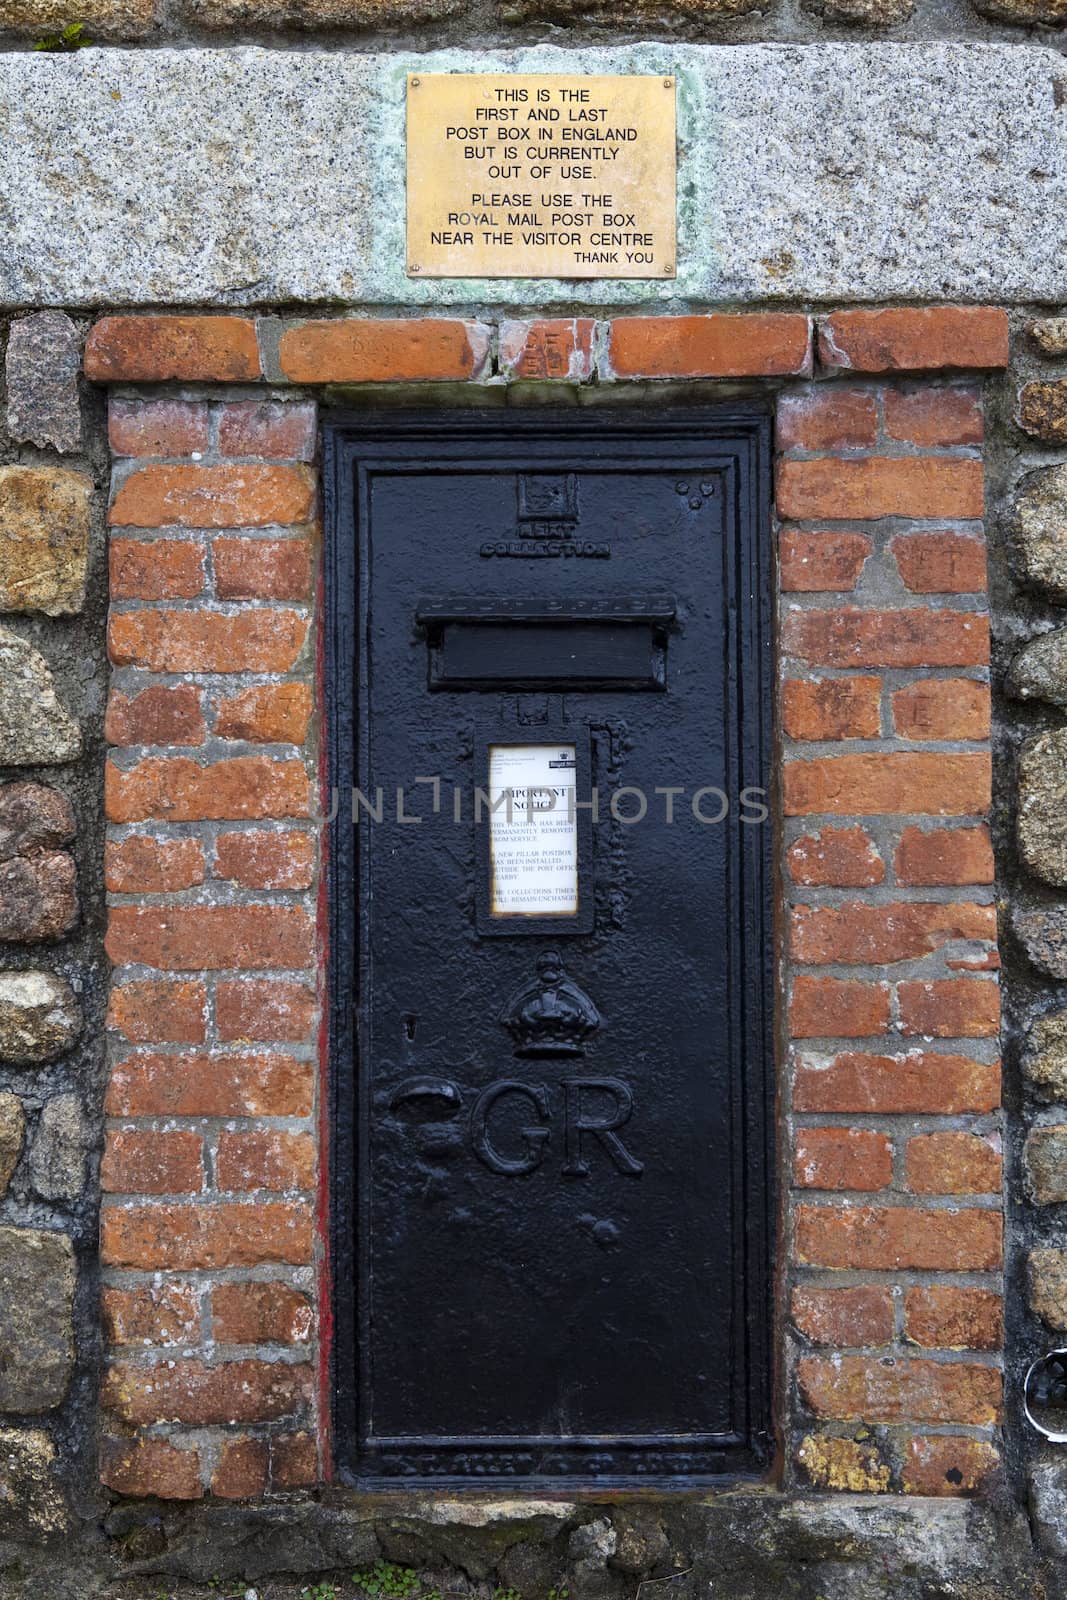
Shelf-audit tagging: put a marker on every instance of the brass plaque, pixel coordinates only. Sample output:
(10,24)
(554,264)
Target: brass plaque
(538,176)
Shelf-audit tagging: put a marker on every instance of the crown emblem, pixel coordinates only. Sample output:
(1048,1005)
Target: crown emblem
(550,1015)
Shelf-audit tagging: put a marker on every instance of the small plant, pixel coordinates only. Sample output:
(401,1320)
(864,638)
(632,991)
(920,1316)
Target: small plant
(562,1593)
(506,1594)
(320,1591)
(386,1581)
(72,37)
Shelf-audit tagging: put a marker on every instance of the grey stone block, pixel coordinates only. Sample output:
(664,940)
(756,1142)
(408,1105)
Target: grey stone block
(826,172)
(43,358)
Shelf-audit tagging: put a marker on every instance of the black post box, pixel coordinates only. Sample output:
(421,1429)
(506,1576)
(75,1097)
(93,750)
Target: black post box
(550,943)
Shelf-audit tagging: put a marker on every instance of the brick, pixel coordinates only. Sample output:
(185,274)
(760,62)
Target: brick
(151,1314)
(560,347)
(260,1313)
(156,427)
(863,934)
(210,1086)
(383,350)
(200,1395)
(940,1465)
(889,782)
(950,1008)
(811,562)
(206,641)
(837,1008)
(875,487)
(210,938)
(179,789)
(943,1316)
(249,495)
(141,865)
(142,1161)
(844,1317)
(892,1389)
(942,708)
(223,1234)
(265,1010)
(903,339)
(157,715)
(270,713)
(719,346)
(827,418)
(888,1238)
(155,349)
(155,569)
(917,637)
(944,856)
(832,708)
(262,569)
(954,1162)
(159,1013)
(150,1467)
(266,860)
(842,1158)
(918,1082)
(941,563)
(843,1464)
(836,857)
(933,417)
(270,428)
(242,1469)
(294,1460)
(265,1159)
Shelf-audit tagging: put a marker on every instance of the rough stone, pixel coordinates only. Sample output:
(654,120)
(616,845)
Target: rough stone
(39,1017)
(1048,1506)
(103,19)
(1043,406)
(44,539)
(28,1491)
(12,1129)
(1027,13)
(57,1162)
(308,213)
(865,13)
(1045,1056)
(1050,335)
(1039,531)
(1042,932)
(36,1319)
(1041,821)
(43,357)
(1045,1164)
(38,897)
(315,14)
(33,818)
(35,730)
(1046,1271)
(1039,671)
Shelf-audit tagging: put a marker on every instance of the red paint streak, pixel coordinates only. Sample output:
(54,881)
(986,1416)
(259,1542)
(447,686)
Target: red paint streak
(323,1205)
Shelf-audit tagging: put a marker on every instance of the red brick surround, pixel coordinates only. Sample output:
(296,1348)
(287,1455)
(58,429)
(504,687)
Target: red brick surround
(211,1252)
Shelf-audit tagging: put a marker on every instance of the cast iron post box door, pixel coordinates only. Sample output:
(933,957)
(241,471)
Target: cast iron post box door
(549,944)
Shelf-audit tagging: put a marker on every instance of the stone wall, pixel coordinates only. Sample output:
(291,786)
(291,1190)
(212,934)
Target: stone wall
(53,990)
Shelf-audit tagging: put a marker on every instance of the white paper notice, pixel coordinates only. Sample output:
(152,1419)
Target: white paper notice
(533,835)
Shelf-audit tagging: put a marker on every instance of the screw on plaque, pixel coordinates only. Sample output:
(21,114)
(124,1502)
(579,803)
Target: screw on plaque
(415,83)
